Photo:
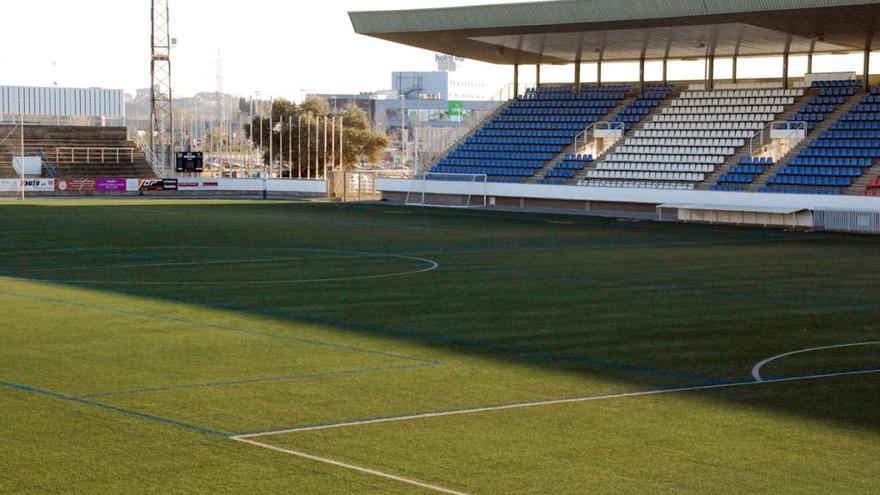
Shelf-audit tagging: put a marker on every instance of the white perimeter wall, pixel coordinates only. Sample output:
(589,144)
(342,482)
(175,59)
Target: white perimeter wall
(271,185)
(633,195)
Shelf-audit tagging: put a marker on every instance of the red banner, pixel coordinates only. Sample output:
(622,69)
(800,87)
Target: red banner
(82,186)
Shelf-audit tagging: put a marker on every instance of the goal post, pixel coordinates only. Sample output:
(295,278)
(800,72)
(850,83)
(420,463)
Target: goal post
(464,191)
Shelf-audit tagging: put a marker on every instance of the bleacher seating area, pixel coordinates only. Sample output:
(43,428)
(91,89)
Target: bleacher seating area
(741,175)
(832,94)
(643,104)
(531,131)
(566,169)
(679,143)
(839,156)
(78,152)
(691,137)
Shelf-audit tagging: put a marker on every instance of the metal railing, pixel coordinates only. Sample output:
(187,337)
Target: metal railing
(49,166)
(158,167)
(589,135)
(38,152)
(792,131)
(442,144)
(76,154)
(861,221)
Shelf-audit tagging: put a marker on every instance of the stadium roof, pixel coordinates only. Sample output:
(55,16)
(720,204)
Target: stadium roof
(623,30)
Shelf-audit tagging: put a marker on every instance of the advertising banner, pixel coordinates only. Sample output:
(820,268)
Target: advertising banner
(158,185)
(30,185)
(83,186)
(150,185)
(197,184)
(455,109)
(110,185)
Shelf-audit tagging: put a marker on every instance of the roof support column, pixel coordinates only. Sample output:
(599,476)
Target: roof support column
(538,75)
(868,45)
(599,72)
(577,64)
(515,80)
(666,55)
(735,61)
(710,79)
(785,56)
(710,65)
(642,73)
(810,57)
(642,63)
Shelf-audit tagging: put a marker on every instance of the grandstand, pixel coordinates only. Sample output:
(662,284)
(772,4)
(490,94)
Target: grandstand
(75,151)
(811,134)
(682,142)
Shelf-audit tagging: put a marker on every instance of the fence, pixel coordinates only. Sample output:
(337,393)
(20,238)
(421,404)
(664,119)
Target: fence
(438,147)
(783,135)
(94,155)
(860,221)
(360,185)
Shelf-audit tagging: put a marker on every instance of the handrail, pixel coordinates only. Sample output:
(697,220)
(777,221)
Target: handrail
(796,127)
(112,155)
(602,125)
(44,160)
(50,167)
(158,166)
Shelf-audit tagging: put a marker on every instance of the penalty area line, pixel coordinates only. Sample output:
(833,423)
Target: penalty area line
(352,467)
(249,438)
(551,402)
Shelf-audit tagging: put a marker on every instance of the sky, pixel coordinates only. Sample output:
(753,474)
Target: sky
(280,49)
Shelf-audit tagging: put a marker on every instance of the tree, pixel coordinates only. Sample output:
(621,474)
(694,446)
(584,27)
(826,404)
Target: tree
(316,106)
(359,139)
(300,128)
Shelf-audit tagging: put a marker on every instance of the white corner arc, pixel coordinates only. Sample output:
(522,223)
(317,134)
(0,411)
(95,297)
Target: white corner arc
(756,370)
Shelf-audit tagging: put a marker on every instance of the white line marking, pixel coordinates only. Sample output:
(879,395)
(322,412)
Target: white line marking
(179,263)
(756,370)
(432,265)
(523,405)
(352,467)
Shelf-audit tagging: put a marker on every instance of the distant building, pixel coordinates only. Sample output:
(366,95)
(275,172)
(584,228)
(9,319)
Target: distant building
(432,100)
(33,102)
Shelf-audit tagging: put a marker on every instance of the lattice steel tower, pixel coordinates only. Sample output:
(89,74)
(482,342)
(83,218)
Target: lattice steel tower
(161,116)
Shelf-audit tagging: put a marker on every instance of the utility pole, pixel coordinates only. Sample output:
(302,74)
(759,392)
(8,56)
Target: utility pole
(161,111)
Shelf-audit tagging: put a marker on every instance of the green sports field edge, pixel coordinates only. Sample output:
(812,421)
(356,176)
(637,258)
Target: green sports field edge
(278,347)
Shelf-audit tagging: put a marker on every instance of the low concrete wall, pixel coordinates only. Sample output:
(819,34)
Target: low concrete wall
(653,197)
(801,219)
(730,208)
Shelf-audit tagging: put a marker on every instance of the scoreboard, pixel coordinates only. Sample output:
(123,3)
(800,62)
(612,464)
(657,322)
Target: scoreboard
(190,162)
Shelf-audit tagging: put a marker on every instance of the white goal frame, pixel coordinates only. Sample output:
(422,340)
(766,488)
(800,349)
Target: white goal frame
(476,194)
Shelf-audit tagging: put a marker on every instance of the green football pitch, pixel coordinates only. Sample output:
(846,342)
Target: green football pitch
(276,347)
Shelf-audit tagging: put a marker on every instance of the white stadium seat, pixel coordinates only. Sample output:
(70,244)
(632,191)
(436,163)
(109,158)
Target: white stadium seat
(689,138)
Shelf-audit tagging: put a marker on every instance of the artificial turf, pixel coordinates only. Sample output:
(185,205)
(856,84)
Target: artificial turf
(139,336)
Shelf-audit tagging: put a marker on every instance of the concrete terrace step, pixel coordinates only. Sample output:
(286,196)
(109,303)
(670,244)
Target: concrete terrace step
(49,138)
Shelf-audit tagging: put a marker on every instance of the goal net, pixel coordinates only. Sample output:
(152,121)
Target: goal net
(448,190)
